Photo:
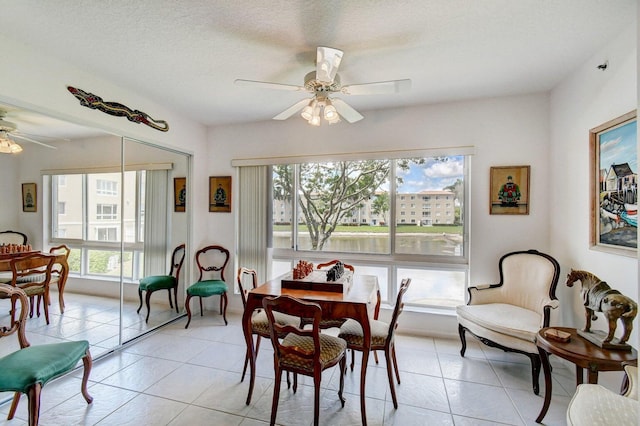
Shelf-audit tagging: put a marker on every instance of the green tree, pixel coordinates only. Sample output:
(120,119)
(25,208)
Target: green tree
(380,205)
(458,194)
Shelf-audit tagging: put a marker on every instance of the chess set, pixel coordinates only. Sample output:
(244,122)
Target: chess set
(304,277)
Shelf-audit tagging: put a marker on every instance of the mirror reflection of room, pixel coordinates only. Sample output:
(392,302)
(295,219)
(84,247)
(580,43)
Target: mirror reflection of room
(115,217)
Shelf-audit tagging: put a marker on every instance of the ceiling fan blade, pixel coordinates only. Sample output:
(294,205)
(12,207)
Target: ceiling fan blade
(292,109)
(345,111)
(32,141)
(327,63)
(267,85)
(378,88)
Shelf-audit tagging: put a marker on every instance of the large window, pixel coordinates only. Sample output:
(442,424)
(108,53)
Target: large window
(395,217)
(92,213)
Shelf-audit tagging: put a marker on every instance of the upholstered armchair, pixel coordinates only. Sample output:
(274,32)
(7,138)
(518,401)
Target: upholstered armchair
(593,405)
(509,314)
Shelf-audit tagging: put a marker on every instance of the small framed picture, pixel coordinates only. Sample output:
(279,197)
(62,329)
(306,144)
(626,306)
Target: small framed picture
(179,194)
(509,190)
(29,197)
(220,194)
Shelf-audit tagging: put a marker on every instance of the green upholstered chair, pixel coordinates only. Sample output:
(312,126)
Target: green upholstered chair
(382,334)
(30,368)
(163,282)
(211,261)
(302,351)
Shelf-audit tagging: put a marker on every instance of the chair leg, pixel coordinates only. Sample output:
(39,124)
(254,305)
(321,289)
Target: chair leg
(170,301)
(316,398)
(276,395)
(343,371)
(389,358)
(223,298)
(33,395)
(463,340)
(201,312)
(175,297)
(246,359)
(140,297)
(395,362)
(14,405)
(536,363)
(46,306)
(148,301)
(353,358)
(375,356)
(88,363)
(186,306)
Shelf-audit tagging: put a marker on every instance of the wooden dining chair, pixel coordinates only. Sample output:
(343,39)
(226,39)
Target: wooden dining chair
(302,351)
(28,369)
(167,282)
(211,262)
(247,280)
(32,273)
(382,338)
(59,274)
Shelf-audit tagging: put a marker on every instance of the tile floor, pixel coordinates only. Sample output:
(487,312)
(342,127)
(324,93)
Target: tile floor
(190,377)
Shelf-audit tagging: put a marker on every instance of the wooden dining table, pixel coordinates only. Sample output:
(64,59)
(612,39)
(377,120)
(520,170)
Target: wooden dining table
(357,303)
(59,258)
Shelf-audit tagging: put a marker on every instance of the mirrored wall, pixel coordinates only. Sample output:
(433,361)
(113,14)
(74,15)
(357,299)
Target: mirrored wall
(119,205)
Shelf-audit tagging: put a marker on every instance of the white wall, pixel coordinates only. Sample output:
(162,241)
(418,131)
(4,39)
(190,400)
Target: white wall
(504,131)
(584,100)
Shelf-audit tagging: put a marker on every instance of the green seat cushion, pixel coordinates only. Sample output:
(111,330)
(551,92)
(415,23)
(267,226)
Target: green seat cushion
(39,364)
(207,288)
(157,282)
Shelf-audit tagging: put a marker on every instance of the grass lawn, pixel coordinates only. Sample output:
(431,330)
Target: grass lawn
(385,229)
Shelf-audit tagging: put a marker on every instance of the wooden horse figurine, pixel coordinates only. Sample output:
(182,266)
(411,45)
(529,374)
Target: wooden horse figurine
(597,296)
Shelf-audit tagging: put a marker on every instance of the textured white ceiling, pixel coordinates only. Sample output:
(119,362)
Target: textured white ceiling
(187,53)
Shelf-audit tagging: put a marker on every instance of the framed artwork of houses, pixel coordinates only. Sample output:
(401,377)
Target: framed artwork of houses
(220,194)
(614,185)
(509,190)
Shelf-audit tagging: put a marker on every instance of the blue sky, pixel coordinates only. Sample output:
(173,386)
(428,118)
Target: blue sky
(435,174)
(619,146)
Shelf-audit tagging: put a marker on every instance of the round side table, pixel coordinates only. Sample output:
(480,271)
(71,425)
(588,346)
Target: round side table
(582,353)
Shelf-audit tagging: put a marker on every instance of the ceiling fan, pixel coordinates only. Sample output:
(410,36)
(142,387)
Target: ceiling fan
(8,135)
(323,83)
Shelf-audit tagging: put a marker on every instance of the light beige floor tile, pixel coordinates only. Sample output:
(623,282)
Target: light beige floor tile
(184,384)
(468,369)
(145,410)
(407,415)
(194,415)
(481,401)
(141,374)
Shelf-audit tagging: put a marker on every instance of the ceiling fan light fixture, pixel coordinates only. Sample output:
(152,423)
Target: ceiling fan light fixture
(7,146)
(308,111)
(330,112)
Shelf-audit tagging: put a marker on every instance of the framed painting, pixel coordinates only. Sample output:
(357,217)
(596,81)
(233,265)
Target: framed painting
(179,194)
(509,187)
(29,197)
(614,185)
(220,194)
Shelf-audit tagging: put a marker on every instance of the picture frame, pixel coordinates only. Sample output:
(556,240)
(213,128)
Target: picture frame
(614,182)
(509,190)
(29,197)
(179,194)
(220,194)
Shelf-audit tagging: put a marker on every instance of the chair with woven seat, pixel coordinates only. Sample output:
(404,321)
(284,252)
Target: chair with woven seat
(259,321)
(163,282)
(211,261)
(27,370)
(525,295)
(32,273)
(58,274)
(382,338)
(302,351)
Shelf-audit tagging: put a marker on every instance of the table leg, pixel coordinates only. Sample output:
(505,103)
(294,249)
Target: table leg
(251,353)
(366,333)
(579,375)
(544,356)
(592,375)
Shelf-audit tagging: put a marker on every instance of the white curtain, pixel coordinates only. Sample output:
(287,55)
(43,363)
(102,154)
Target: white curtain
(253,208)
(155,223)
